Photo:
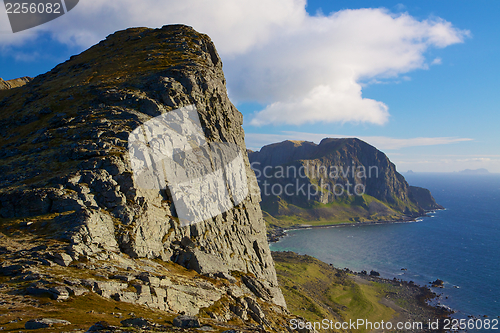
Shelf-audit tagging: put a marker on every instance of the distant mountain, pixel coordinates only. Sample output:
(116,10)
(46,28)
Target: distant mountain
(338,180)
(481,171)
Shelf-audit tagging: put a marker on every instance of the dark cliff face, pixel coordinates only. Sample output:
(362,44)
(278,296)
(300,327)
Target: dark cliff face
(64,154)
(335,171)
(424,198)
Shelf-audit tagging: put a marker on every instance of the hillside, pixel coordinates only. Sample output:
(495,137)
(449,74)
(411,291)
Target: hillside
(337,181)
(88,243)
(77,224)
(315,290)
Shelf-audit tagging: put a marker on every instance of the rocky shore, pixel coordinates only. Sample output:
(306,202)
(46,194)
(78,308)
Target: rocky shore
(415,297)
(338,294)
(275,233)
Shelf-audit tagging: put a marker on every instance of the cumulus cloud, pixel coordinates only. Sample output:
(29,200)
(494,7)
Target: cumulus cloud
(315,73)
(324,103)
(235,26)
(256,140)
(304,68)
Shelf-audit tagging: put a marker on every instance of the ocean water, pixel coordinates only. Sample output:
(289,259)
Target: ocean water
(459,245)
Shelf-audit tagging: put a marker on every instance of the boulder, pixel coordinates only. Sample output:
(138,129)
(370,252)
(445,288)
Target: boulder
(138,323)
(183,321)
(102,326)
(438,283)
(44,323)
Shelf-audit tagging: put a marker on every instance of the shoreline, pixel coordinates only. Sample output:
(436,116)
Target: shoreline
(417,297)
(276,233)
(411,303)
(420,300)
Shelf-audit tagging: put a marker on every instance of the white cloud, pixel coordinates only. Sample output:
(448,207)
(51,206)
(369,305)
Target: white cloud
(235,26)
(400,7)
(304,68)
(447,163)
(314,73)
(437,61)
(475,159)
(324,103)
(255,141)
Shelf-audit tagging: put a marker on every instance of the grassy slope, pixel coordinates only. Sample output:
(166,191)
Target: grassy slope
(81,312)
(314,290)
(358,209)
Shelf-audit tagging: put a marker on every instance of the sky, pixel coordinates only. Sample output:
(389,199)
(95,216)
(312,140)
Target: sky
(416,79)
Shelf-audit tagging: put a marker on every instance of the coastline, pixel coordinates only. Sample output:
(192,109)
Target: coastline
(416,299)
(420,302)
(274,234)
(408,302)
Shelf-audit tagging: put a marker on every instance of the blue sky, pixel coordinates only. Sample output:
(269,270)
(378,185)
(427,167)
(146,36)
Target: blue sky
(416,79)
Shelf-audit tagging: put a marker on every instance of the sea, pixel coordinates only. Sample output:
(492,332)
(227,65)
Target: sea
(459,245)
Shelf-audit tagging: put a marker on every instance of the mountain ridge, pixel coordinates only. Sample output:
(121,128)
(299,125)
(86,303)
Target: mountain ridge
(82,242)
(66,181)
(331,166)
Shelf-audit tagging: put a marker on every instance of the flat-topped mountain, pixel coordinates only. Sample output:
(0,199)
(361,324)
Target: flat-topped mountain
(338,180)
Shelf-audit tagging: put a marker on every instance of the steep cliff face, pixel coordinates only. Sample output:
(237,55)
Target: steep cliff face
(303,179)
(64,156)
(424,198)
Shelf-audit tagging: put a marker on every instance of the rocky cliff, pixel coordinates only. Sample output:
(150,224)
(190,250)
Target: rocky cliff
(336,181)
(66,177)
(424,198)
(9,84)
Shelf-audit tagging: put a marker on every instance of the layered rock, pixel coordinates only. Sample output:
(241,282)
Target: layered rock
(14,83)
(298,175)
(41,280)
(64,156)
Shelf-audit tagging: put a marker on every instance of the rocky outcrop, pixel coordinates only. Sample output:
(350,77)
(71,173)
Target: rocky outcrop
(14,83)
(297,175)
(39,283)
(424,198)
(65,165)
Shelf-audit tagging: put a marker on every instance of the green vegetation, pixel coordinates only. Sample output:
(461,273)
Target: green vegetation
(348,210)
(315,290)
(81,312)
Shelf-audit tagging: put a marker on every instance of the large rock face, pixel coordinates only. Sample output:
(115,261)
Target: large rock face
(64,155)
(299,178)
(424,198)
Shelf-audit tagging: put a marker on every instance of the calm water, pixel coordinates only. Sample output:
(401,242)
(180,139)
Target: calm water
(459,245)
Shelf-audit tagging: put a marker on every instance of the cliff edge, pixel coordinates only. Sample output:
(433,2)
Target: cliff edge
(66,177)
(339,180)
